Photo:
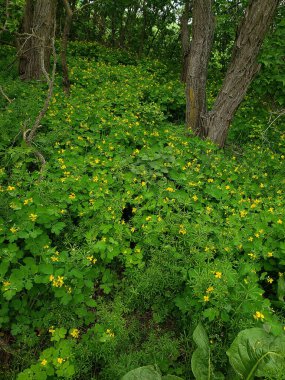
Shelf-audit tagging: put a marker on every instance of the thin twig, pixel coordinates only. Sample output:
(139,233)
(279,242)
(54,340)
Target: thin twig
(29,134)
(50,81)
(282,112)
(5,96)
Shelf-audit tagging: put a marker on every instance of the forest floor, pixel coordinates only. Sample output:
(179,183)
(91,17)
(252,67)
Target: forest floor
(135,232)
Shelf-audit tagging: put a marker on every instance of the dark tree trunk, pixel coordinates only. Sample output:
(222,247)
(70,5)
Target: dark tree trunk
(242,68)
(201,44)
(36,36)
(66,30)
(113,29)
(185,40)
(143,30)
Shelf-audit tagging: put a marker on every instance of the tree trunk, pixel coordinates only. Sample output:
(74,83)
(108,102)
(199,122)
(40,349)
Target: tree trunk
(37,33)
(143,31)
(185,40)
(201,44)
(66,30)
(242,69)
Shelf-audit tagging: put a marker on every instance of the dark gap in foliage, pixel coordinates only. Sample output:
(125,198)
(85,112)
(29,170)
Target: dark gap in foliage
(127,213)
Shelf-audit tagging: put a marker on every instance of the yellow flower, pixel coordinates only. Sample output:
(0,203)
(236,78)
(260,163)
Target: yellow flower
(182,230)
(143,183)
(6,285)
(170,189)
(270,280)
(57,283)
(270,254)
(148,218)
(258,315)
(44,362)
(27,201)
(110,333)
(51,330)
(279,221)
(210,289)
(13,230)
(91,259)
(206,298)
(218,274)
(11,188)
(59,360)
(195,198)
(72,196)
(33,217)
(74,333)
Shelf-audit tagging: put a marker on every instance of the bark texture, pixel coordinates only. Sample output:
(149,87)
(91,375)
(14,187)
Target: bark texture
(65,34)
(242,68)
(37,33)
(201,45)
(185,40)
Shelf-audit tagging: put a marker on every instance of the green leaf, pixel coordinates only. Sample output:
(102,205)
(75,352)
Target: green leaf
(142,373)
(211,313)
(57,227)
(3,269)
(200,361)
(46,268)
(171,377)
(281,288)
(58,334)
(254,352)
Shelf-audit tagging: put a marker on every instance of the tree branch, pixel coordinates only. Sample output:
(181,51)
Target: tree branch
(29,134)
(5,96)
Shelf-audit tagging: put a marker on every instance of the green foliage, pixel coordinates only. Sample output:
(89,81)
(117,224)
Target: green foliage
(255,352)
(147,372)
(271,82)
(201,358)
(10,17)
(134,233)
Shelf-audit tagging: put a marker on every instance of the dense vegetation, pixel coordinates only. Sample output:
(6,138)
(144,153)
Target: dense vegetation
(138,244)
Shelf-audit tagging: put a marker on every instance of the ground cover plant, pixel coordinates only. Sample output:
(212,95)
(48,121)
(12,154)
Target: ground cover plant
(138,246)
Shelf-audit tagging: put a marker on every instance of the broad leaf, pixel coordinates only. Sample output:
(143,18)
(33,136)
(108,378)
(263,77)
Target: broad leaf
(142,373)
(281,288)
(254,352)
(200,361)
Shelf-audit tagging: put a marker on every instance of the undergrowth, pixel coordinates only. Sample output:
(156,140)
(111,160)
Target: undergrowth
(135,232)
